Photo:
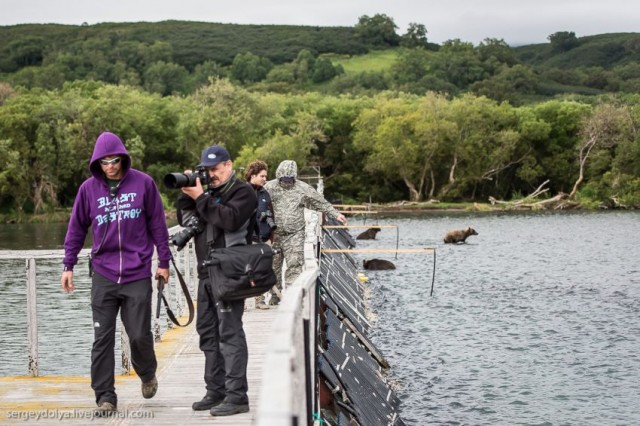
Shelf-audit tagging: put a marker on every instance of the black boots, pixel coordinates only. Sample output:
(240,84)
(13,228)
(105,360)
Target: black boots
(229,409)
(208,402)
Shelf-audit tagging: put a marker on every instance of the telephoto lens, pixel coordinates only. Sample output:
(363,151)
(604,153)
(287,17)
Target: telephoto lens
(179,180)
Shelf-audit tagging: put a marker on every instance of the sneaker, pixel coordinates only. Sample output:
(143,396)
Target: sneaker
(105,409)
(229,409)
(206,403)
(275,300)
(149,388)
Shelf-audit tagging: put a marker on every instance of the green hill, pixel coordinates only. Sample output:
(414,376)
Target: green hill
(191,42)
(180,56)
(375,60)
(603,50)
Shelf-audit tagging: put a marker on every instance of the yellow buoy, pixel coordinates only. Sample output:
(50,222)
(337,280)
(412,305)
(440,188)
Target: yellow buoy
(362,278)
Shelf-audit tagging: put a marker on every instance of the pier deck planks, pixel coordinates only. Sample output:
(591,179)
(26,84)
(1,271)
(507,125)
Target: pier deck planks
(180,377)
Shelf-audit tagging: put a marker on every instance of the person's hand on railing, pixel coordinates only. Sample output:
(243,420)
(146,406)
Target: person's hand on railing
(67,281)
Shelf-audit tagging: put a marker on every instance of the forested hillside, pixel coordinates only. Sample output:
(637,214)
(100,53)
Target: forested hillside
(191,43)
(386,117)
(178,57)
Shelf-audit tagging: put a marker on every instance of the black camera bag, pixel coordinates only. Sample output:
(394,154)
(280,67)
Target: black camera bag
(240,272)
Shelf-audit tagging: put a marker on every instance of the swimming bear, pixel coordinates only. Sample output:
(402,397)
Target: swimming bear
(378,264)
(369,234)
(459,236)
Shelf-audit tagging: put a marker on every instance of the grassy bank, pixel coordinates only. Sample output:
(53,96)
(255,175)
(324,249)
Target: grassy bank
(56,216)
(62,215)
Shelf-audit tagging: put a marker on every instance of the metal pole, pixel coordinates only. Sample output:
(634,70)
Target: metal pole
(433,276)
(125,351)
(32,318)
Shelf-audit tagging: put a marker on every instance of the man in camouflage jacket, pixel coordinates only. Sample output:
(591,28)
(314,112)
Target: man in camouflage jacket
(290,197)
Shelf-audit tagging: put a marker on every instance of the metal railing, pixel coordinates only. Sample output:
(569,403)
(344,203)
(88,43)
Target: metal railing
(287,396)
(185,260)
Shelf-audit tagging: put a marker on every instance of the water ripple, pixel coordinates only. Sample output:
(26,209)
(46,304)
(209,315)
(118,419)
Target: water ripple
(534,322)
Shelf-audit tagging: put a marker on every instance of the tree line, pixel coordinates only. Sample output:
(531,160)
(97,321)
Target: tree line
(176,57)
(386,147)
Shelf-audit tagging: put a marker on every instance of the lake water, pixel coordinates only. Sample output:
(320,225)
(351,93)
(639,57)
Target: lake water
(535,321)
(64,320)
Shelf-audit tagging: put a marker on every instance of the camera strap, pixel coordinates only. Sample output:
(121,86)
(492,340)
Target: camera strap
(187,296)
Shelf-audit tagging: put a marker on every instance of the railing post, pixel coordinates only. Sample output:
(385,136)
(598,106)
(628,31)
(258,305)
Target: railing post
(125,351)
(186,264)
(32,318)
(191,270)
(177,294)
(155,322)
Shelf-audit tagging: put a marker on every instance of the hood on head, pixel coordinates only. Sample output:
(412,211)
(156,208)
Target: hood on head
(287,168)
(108,144)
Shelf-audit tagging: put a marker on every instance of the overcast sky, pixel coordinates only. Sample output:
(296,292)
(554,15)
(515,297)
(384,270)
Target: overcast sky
(515,21)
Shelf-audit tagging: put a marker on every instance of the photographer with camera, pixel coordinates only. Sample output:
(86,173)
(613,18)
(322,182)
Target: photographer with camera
(123,208)
(224,216)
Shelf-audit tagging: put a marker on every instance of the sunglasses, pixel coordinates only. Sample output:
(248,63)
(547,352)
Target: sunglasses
(287,179)
(112,161)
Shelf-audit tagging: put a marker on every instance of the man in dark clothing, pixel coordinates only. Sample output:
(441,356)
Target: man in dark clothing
(124,210)
(227,209)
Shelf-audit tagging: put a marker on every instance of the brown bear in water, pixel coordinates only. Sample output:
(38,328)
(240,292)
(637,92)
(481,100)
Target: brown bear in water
(378,264)
(369,234)
(459,236)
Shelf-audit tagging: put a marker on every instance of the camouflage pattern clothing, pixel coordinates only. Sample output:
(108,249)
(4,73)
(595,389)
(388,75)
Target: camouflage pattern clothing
(289,201)
(292,246)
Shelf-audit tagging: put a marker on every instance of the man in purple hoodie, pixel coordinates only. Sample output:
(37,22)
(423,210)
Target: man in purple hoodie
(124,210)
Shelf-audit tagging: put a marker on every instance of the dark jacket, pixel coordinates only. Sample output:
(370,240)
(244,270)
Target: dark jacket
(230,210)
(125,226)
(264,215)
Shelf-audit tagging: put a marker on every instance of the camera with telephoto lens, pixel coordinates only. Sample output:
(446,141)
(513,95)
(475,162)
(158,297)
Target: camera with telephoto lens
(192,228)
(268,218)
(181,180)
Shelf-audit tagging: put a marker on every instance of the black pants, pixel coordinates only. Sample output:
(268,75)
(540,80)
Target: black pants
(224,344)
(134,302)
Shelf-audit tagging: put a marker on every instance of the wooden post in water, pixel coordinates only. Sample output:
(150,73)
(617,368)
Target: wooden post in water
(32,318)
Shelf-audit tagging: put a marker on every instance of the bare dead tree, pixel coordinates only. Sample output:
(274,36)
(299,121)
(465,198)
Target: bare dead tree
(488,175)
(522,203)
(43,191)
(452,176)
(603,129)
(585,150)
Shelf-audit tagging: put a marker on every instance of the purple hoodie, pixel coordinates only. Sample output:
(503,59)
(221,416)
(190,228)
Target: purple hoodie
(128,225)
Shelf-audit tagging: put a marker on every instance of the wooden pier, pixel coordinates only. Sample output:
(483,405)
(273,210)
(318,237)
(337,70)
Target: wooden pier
(280,346)
(70,399)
